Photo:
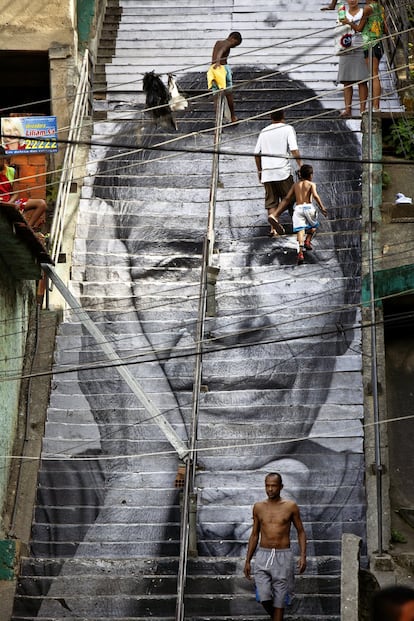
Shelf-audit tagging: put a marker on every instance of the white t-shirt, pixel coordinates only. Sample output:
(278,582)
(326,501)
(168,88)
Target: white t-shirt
(278,139)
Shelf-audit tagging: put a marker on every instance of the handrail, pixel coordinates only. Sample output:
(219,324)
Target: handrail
(80,110)
(399,25)
(191,460)
(373,331)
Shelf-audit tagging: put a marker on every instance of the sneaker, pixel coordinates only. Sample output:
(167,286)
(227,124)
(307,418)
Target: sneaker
(301,258)
(308,245)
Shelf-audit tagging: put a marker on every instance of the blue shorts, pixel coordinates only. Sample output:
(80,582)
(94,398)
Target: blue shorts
(229,80)
(274,575)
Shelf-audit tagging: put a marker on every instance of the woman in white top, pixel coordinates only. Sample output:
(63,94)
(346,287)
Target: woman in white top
(352,66)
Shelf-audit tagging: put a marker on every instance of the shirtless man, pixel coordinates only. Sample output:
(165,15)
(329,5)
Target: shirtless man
(219,57)
(274,571)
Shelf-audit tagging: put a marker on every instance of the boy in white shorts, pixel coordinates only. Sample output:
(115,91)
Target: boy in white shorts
(305,214)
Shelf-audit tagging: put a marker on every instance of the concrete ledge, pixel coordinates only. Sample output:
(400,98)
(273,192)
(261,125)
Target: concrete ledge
(382,562)
(351,545)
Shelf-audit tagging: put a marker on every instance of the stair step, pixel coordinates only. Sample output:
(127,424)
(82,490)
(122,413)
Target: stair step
(165,605)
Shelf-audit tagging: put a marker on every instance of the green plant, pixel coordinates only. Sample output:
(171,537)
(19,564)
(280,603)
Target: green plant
(397,536)
(402,137)
(386,179)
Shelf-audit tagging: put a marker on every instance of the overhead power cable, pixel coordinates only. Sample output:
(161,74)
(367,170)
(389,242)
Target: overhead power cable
(188,351)
(73,457)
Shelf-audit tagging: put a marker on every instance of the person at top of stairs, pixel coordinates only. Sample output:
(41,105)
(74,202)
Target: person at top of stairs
(274,572)
(373,26)
(352,68)
(219,65)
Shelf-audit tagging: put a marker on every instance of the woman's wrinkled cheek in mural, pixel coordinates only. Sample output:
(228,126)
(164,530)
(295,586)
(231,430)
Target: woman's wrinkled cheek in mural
(165,291)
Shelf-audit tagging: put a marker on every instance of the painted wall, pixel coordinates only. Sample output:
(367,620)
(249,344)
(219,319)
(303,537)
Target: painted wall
(86,13)
(16,300)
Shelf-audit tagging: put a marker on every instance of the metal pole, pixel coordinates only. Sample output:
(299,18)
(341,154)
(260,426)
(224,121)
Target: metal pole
(189,504)
(215,174)
(373,330)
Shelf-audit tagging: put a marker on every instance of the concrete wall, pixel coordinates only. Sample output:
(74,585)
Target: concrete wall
(393,274)
(53,27)
(16,301)
(95,23)
(47,26)
(36,24)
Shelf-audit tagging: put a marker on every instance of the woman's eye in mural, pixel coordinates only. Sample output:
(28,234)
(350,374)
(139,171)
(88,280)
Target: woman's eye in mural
(179,263)
(178,267)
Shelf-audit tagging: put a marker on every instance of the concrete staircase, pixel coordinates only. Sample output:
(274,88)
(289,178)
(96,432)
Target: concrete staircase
(281,376)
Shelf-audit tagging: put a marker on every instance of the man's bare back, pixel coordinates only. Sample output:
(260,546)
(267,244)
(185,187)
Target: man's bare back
(221,52)
(221,49)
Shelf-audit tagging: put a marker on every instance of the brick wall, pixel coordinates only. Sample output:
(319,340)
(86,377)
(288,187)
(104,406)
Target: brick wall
(30,174)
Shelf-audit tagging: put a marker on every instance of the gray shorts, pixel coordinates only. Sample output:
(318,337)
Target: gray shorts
(274,575)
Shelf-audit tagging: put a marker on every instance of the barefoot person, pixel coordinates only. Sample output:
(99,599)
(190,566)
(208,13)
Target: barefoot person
(352,68)
(219,75)
(274,571)
(373,26)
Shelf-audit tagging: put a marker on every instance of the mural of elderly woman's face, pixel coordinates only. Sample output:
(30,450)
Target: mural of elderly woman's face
(270,348)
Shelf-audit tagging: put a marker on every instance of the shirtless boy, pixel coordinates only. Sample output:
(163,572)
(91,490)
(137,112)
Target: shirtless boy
(219,57)
(305,215)
(274,571)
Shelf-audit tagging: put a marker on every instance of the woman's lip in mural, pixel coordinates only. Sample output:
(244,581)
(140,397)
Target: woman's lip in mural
(220,377)
(251,382)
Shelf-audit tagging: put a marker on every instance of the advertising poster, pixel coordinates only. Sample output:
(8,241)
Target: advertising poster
(31,134)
